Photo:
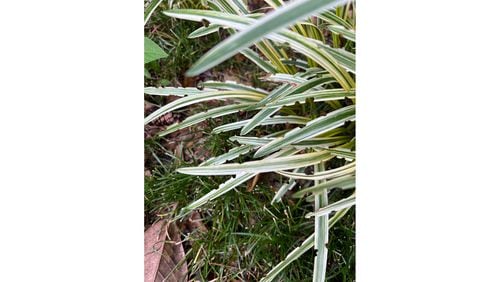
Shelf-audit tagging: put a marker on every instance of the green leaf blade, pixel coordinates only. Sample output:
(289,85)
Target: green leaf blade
(152,51)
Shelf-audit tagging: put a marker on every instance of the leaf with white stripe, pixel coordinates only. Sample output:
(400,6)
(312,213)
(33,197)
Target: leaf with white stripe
(333,19)
(150,9)
(223,188)
(232,85)
(327,174)
(258,118)
(269,121)
(320,231)
(285,187)
(337,206)
(205,30)
(230,155)
(286,78)
(227,186)
(254,141)
(265,165)
(298,63)
(200,117)
(262,115)
(320,142)
(304,85)
(347,34)
(343,153)
(256,59)
(312,129)
(319,96)
(193,99)
(174,91)
(342,182)
(344,58)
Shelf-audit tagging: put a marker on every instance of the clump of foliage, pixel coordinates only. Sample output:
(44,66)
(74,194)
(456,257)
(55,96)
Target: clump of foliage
(307,48)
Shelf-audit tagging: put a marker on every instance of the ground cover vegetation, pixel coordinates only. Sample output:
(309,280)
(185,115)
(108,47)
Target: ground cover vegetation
(250,129)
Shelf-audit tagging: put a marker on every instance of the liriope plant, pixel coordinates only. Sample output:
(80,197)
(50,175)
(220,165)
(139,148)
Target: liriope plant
(307,47)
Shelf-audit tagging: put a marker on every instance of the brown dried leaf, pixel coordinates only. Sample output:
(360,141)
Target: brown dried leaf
(252,183)
(164,254)
(195,223)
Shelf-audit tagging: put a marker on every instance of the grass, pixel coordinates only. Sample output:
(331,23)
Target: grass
(246,235)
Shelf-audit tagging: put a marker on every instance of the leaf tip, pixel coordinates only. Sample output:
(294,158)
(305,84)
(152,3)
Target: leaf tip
(245,130)
(259,153)
(183,170)
(192,72)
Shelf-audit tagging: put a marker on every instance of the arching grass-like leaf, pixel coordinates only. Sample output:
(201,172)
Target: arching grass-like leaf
(327,174)
(314,128)
(269,121)
(285,187)
(255,141)
(265,165)
(342,182)
(258,118)
(344,58)
(255,58)
(205,30)
(333,19)
(337,206)
(193,99)
(174,91)
(318,96)
(150,9)
(231,85)
(347,34)
(322,142)
(199,117)
(223,188)
(230,155)
(343,153)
